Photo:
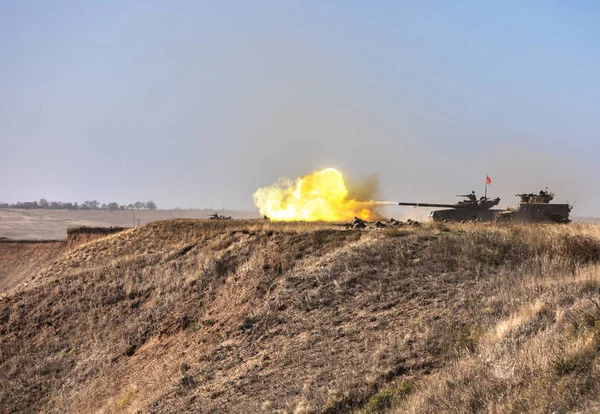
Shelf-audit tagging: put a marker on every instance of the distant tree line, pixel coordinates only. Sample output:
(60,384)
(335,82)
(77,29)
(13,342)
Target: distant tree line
(86,205)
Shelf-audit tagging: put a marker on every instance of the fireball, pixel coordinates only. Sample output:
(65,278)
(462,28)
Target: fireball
(319,196)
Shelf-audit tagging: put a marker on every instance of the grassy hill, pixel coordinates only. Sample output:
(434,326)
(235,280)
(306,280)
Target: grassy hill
(247,316)
(20,259)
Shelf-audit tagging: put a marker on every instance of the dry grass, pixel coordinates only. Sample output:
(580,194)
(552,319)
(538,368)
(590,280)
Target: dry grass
(84,234)
(252,316)
(539,324)
(19,260)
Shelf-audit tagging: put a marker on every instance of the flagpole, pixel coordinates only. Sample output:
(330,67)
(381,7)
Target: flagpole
(486,181)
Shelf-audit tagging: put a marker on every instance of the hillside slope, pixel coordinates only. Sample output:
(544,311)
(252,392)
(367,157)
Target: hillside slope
(198,316)
(20,259)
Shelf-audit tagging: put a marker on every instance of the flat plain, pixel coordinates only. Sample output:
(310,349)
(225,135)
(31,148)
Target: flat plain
(52,224)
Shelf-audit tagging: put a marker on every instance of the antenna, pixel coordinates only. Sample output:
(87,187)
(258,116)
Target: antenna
(572,205)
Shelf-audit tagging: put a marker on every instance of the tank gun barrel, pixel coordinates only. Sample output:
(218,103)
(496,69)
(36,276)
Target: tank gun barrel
(427,205)
(481,204)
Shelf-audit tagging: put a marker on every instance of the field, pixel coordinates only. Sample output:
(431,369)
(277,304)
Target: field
(250,316)
(53,224)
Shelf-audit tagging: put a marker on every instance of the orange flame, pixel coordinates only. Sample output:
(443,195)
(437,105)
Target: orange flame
(319,196)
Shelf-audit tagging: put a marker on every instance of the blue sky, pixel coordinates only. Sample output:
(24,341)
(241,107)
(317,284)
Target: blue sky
(199,103)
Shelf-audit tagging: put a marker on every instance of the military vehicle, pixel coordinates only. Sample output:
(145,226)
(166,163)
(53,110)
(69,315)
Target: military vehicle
(536,208)
(471,208)
(217,216)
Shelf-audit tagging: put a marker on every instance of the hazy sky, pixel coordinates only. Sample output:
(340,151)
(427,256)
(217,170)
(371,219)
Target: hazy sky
(199,103)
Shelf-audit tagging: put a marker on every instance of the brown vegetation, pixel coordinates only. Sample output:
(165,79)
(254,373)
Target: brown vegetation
(233,316)
(21,259)
(84,234)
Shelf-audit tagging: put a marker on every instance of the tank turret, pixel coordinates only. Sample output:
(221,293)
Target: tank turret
(543,197)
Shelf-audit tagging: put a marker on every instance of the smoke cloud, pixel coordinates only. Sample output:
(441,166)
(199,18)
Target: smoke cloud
(364,188)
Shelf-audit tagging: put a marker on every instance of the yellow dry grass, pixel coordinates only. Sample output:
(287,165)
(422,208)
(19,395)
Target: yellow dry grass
(254,316)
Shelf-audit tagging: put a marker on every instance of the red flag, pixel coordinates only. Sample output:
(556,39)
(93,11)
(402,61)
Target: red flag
(488,180)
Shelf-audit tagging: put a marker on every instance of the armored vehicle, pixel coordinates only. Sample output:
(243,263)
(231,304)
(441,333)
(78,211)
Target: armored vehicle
(217,216)
(470,208)
(536,208)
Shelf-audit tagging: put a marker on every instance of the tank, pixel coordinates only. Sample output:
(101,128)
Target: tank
(470,208)
(536,208)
